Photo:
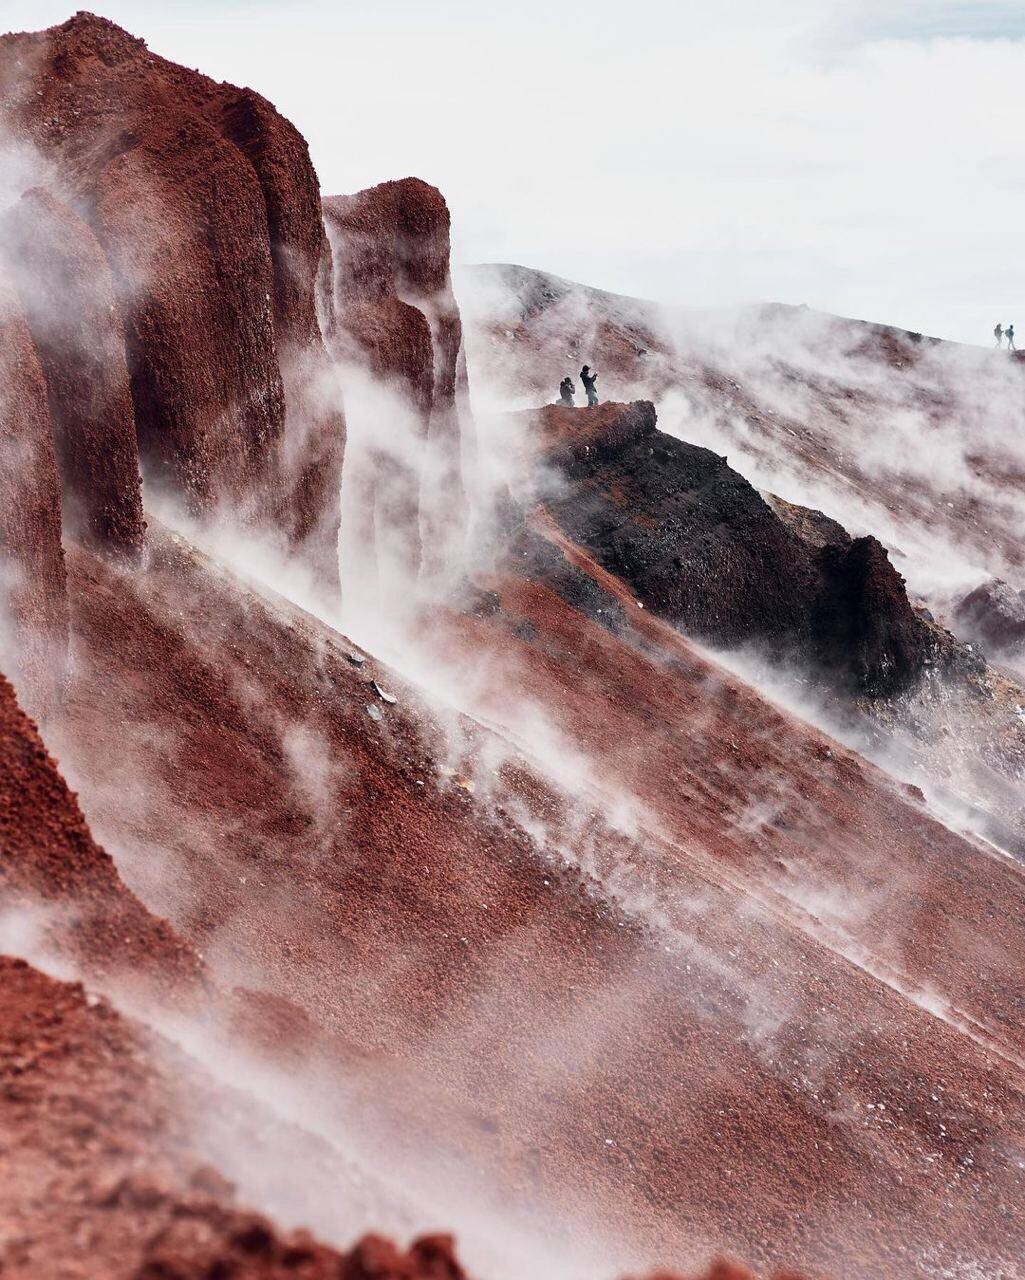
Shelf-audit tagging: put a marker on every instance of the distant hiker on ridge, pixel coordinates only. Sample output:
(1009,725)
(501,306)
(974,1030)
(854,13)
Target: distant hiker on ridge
(589,379)
(1009,335)
(566,391)
(998,333)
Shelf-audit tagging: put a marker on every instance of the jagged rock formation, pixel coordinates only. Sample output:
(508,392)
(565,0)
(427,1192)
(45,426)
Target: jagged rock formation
(206,205)
(701,546)
(395,317)
(994,613)
(33,585)
(812,527)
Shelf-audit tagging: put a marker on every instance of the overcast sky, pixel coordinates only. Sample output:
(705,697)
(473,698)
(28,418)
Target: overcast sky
(863,157)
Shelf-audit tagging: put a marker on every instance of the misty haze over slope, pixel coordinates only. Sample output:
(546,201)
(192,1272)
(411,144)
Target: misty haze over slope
(590,831)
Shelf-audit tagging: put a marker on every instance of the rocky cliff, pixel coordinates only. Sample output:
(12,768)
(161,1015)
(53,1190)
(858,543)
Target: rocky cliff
(700,546)
(395,319)
(206,208)
(33,599)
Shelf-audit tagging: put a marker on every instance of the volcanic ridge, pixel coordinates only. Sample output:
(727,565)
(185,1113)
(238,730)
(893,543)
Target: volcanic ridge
(573,840)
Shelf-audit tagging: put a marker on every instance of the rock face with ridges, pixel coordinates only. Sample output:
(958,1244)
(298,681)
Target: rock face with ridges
(69,301)
(33,585)
(395,317)
(862,621)
(700,546)
(207,207)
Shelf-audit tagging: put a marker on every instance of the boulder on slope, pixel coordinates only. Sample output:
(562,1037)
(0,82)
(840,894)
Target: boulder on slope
(994,613)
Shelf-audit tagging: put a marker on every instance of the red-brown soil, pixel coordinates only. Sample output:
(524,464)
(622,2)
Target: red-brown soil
(33,599)
(552,932)
(102,1177)
(51,864)
(814,1108)
(69,300)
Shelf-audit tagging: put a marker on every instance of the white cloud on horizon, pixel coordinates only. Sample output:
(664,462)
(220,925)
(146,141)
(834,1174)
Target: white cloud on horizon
(858,157)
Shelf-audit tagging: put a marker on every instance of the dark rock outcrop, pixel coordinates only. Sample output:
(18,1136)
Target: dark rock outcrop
(994,614)
(862,621)
(701,547)
(33,582)
(69,301)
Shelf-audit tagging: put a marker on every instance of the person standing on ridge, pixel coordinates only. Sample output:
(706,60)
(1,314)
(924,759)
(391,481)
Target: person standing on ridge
(589,379)
(998,333)
(566,391)
(1009,335)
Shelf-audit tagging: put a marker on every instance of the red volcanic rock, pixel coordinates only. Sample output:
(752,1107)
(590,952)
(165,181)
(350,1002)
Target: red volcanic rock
(395,238)
(69,301)
(47,855)
(33,589)
(994,613)
(207,206)
(207,1239)
(394,315)
(281,160)
(392,294)
(572,438)
(183,220)
(305,505)
(429,1258)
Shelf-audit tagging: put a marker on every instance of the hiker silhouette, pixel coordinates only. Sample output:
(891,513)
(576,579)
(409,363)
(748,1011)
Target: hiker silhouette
(566,391)
(998,333)
(1009,335)
(589,379)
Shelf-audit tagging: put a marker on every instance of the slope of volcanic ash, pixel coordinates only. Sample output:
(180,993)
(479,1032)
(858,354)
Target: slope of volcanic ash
(207,208)
(916,440)
(926,704)
(100,1147)
(700,546)
(69,301)
(677,1041)
(33,592)
(49,859)
(395,317)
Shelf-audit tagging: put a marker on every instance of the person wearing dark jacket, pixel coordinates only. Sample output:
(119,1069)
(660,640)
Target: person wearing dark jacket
(1009,335)
(589,379)
(566,391)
